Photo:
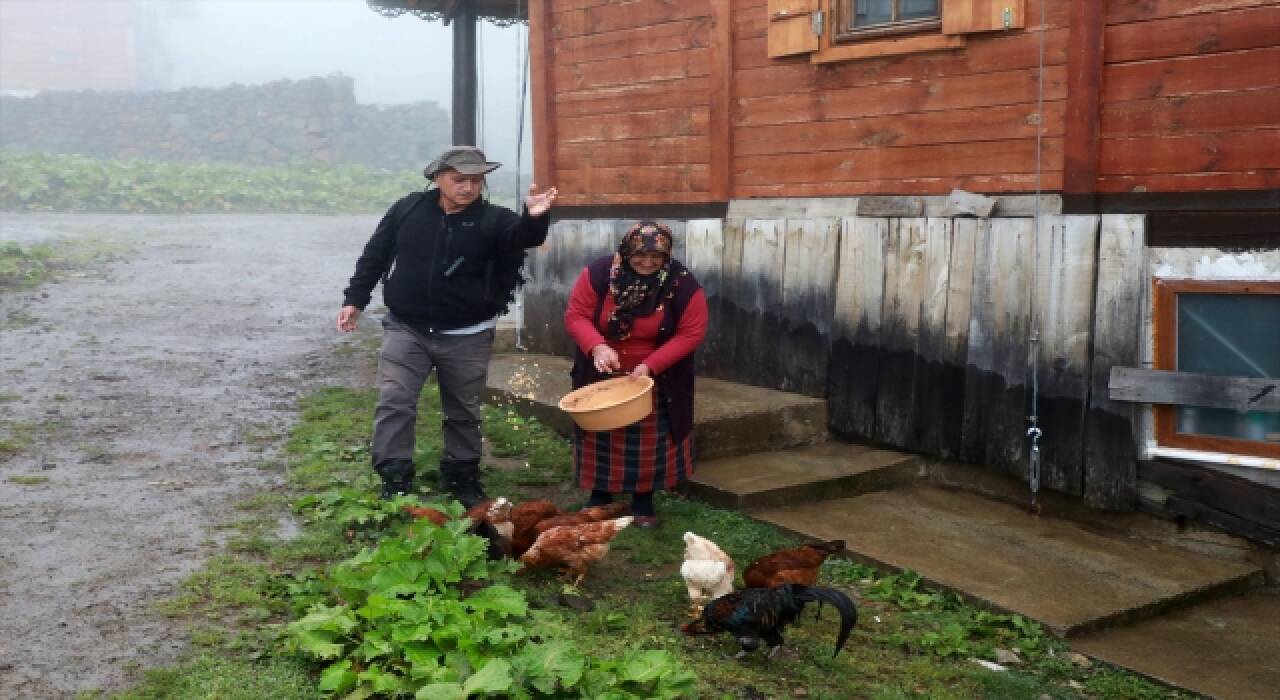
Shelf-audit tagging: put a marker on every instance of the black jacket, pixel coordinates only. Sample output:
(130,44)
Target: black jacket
(440,271)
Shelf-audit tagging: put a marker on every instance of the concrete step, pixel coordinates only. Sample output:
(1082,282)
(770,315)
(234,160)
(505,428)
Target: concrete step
(1224,648)
(1067,577)
(798,475)
(729,419)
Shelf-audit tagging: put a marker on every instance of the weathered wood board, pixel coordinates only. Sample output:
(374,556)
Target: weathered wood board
(950,396)
(904,285)
(996,376)
(1065,250)
(855,337)
(808,281)
(758,300)
(1136,384)
(1110,444)
(931,347)
(704,256)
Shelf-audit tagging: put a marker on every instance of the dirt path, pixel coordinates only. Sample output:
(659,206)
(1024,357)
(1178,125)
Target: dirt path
(152,390)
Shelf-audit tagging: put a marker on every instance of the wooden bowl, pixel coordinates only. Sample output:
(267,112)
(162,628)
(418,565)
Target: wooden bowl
(610,404)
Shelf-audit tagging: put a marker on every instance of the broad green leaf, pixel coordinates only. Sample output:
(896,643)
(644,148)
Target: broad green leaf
(646,666)
(500,599)
(338,677)
(493,677)
(441,691)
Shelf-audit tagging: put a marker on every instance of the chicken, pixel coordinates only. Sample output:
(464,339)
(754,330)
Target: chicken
(707,571)
(586,515)
(799,565)
(436,517)
(756,614)
(574,547)
(492,520)
(525,517)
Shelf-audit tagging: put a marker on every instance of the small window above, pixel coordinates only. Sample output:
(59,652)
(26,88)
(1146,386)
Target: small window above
(860,19)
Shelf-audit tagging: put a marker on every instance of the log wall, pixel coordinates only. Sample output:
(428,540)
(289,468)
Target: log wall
(1190,96)
(916,329)
(661,102)
(631,100)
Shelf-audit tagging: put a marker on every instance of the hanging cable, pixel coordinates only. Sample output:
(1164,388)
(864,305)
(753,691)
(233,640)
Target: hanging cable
(480,83)
(522,70)
(1034,433)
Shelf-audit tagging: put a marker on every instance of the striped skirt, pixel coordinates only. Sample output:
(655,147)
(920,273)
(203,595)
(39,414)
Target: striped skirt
(639,458)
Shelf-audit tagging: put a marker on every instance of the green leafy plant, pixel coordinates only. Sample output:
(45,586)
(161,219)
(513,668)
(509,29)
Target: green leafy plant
(49,182)
(419,614)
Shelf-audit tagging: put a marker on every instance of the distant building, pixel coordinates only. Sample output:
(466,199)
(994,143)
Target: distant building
(82,45)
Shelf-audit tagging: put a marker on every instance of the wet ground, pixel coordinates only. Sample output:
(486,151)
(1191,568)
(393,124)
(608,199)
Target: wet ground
(150,391)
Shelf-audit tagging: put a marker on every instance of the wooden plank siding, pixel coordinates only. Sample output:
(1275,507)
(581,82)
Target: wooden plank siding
(1191,97)
(894,124)
(1186,101)
(633,112)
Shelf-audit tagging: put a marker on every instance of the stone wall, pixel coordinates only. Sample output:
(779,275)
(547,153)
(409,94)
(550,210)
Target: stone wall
(312,119)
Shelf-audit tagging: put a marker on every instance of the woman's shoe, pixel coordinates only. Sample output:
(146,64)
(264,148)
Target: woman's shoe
(645,521)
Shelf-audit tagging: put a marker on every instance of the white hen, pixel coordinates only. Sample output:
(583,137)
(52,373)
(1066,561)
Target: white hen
(708,572)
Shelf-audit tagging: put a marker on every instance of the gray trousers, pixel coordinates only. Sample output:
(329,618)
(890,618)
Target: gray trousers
(462,368)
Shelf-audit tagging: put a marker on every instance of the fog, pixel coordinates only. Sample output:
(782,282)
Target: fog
(214,43)
(393,60)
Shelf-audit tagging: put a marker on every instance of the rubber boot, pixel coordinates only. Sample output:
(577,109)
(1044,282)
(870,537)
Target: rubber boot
(462,481)
(397,478)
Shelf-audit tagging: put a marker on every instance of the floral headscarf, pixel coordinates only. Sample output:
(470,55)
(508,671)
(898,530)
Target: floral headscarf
(636,294)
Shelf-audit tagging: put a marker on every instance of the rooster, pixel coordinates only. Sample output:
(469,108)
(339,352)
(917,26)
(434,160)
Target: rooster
(799,565)
(759,614)
(707,571)
(574,547)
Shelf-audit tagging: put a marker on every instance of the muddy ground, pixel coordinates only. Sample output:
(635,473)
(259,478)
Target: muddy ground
(151,389)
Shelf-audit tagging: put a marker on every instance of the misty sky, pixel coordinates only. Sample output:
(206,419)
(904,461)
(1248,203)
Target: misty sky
(393,61)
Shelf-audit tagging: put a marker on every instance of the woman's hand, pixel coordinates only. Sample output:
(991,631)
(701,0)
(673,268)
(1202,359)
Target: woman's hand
(642,370)
(605,359)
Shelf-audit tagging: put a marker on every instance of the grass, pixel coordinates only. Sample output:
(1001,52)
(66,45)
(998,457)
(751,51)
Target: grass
(25,266)
(910,642)
(28,480)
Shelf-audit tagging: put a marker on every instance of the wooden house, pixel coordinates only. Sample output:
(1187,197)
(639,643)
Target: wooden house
(945,215)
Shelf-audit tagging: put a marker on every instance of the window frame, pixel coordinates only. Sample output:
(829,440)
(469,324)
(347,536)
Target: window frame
(843,31)
(1165,355)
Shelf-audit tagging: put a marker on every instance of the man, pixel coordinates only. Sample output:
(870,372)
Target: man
(449,263)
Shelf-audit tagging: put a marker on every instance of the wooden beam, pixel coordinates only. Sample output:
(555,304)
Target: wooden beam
(721,127)
(543,99)
(1139,385)
(1084,88)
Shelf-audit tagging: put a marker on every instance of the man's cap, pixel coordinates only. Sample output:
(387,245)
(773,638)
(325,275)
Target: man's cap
(467,160)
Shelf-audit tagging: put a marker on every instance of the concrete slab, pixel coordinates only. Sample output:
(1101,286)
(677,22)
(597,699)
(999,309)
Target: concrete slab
(798,475)
(1226,648)
(729,419)
(1054,571)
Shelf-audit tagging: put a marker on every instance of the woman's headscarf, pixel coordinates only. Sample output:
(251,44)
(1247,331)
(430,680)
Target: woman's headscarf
(636,294)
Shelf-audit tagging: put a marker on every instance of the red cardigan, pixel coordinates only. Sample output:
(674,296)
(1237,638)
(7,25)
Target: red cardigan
(640,347)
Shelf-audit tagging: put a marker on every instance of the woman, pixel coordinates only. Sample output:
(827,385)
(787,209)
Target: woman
(640,312)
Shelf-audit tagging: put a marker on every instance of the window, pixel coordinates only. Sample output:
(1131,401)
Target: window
(1224,329)
(828,31)
(860,19)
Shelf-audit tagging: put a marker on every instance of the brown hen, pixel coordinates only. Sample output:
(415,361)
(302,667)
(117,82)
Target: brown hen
(799,565)
(525,517)
(574,547)
(586,515)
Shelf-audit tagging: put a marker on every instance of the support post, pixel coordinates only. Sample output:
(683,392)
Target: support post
(464,75)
